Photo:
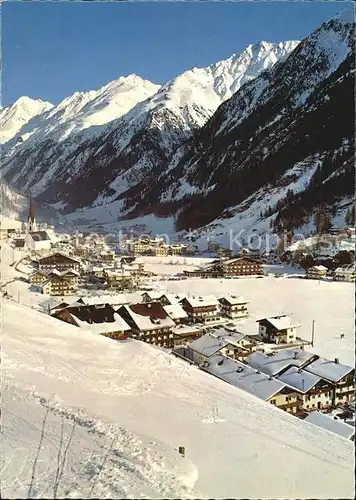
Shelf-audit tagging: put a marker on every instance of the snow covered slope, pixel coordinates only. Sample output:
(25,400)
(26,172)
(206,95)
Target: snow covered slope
(79,171)
(130,406)
(286,137)
(14,207)
(15,116)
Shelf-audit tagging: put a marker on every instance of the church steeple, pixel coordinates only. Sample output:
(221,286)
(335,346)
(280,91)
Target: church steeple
(31,221)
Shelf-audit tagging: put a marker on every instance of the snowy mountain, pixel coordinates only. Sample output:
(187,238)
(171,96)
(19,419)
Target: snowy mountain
(257,141)
(14,206)
(15,116)
(73,170)
(280,146)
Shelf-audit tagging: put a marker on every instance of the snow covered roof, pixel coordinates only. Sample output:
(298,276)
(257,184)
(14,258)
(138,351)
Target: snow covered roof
(116,299)
(319,268)
(328,369)
(118,325)
(55,272)
(344,270)
(331,424)
(280,322)
(70,271)
(185,330)
(53,254)
(39,236)
(244,377)
(116,273)
(276,362)
(299,379)
(153,295)
(207,345)
(234,300)
(53,303)
(175,311)
(231,336)
(173,298)
(206,300)
(149,316)
(98,318)
(236,259)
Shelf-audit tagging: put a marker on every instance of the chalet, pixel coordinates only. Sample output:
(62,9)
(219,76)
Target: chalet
(278,329)
(127,260)
(241,266)
(107,256)
(314,392)
(252,381)
(18,243)
(57,285)
(331,424)
(235,345)
(161,251)
(71,275)
(317,272)
(3,234)
(203,273)
(38,241)
(201,309)
(176,249)
(342,378)
(276,363)
(101,319)
(347,273)
(233,306)
(176,313)
(184,334)
(224,253)
(136,268)
(149,322)
(97,271)
(117,279)
(53,304)
(138,247)
(152,297)
(211,270)
(58,260)
(37,278)
(213,246)
(244,344)
(81,251)
(170,299)
(116,300)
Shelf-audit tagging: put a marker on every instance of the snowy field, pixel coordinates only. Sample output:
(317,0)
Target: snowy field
(329,304)
(128,407)
(173,264)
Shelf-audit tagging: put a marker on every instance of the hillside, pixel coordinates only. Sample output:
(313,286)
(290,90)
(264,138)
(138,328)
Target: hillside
(281,146)
(15,206)
(115,393)
(15,116)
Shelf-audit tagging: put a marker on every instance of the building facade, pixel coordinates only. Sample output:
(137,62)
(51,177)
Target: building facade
(241,266)
(58,261)
(234,307)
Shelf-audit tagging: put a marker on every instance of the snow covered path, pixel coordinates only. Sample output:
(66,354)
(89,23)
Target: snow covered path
(148,403)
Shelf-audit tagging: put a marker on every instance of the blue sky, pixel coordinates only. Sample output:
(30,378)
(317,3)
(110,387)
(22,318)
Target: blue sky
(50,50)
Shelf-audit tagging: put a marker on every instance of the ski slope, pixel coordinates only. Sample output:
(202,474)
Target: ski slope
(131,406)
